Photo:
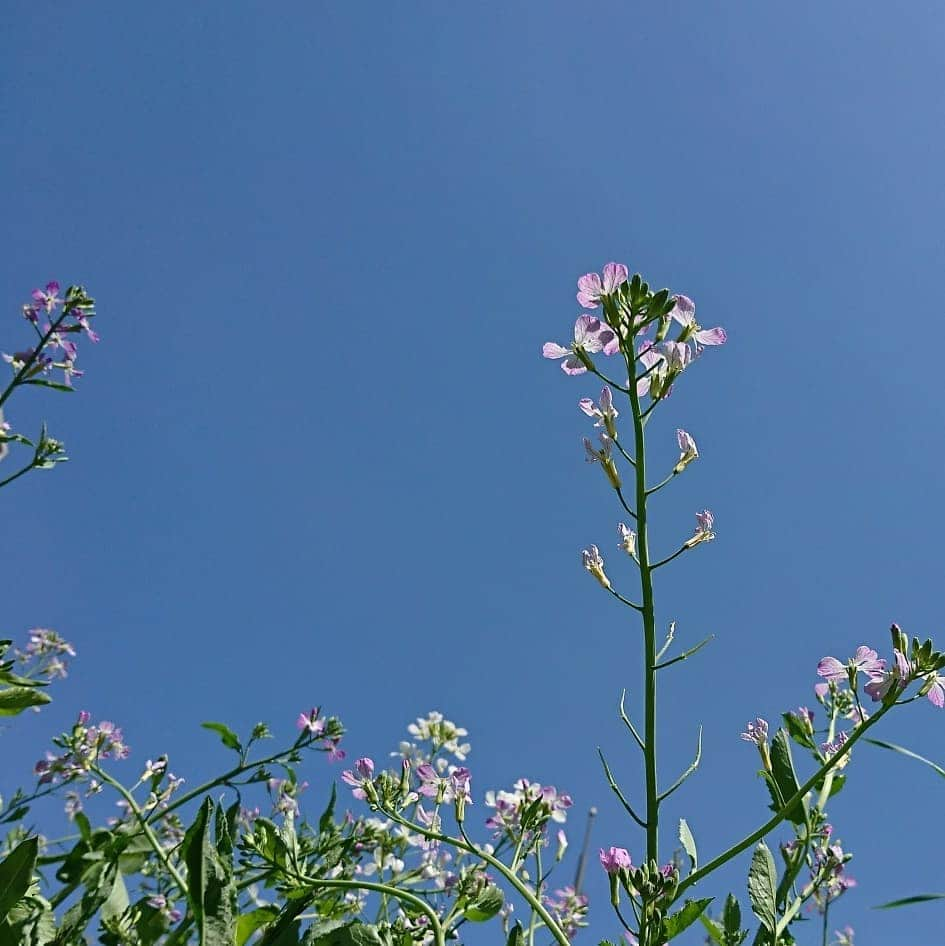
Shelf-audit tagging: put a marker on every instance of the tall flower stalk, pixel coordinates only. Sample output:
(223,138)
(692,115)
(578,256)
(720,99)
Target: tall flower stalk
(657,337)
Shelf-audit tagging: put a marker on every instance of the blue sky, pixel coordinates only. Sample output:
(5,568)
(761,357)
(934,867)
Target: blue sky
(317,458)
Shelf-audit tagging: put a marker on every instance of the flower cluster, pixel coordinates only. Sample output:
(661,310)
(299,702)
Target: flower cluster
(58,321)
(45,654)
(84,747)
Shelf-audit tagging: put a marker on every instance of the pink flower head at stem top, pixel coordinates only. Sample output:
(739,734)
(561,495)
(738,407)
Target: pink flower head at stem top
(615,859)
(309,721)
(365,773)
(590,336)
(49,298)
(756,731)
(684,312)
(591,287)
(865,661)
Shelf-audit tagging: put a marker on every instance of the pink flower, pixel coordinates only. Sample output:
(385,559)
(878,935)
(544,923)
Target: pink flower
(459,784)
(615,859)
(703,532)
(688,451)
(48,299)
(896,678)
(684,312)
(365,773)
(590,336)
(756,731)
(310,721)
(936,692)
(591,287)
(606,414)
(865,661)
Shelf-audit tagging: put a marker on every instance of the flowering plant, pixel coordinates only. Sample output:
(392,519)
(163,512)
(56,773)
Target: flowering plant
(238,859)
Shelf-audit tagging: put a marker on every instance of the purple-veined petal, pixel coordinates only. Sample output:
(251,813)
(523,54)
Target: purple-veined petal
(573,365)
(711,336)
(831,669)
(615,274)
(684,312)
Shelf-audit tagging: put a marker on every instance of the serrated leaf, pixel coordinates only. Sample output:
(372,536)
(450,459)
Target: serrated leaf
(785,778)
(675,923)
(486,905)
(689,844)
(762,884)
(13,700)
(16,874)
(227,736)
(212,892)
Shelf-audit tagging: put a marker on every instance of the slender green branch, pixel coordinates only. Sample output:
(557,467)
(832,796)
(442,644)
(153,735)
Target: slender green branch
(623,452)
(623,600)
(625,505)
(386,890)
(30,359)
(619,387)
(152,839)
(685,654)
(615,788)
(780,815)
(522,888)
(692,768)
(224,779)
(628,724)
(31,465)
(669,558)
(659,486)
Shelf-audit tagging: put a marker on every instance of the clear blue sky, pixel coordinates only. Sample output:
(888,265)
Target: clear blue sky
(318,459)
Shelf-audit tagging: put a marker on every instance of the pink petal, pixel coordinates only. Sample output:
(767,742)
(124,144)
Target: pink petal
(573,366)
(684,312)
(587,405)
(832,669)
(554,350)
(711,336)
(615,274)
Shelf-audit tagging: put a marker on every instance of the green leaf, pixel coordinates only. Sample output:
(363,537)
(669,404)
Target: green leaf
(347,933)
(675,923)
(516,935)
(227,736)
(328,815)
(256,919)
(16,874)
(13,700)
(732,918)
(785,778)
(689,844)
(908,752)
(908,901)
(486,905)
(762,883)
(117,901)
(212,892)
(713,929)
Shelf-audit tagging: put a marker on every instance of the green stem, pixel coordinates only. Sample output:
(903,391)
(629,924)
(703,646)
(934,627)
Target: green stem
(17,475)
(219,780)
(470,848)
(31,359)
(146,829)
(773,822)
(649,623)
